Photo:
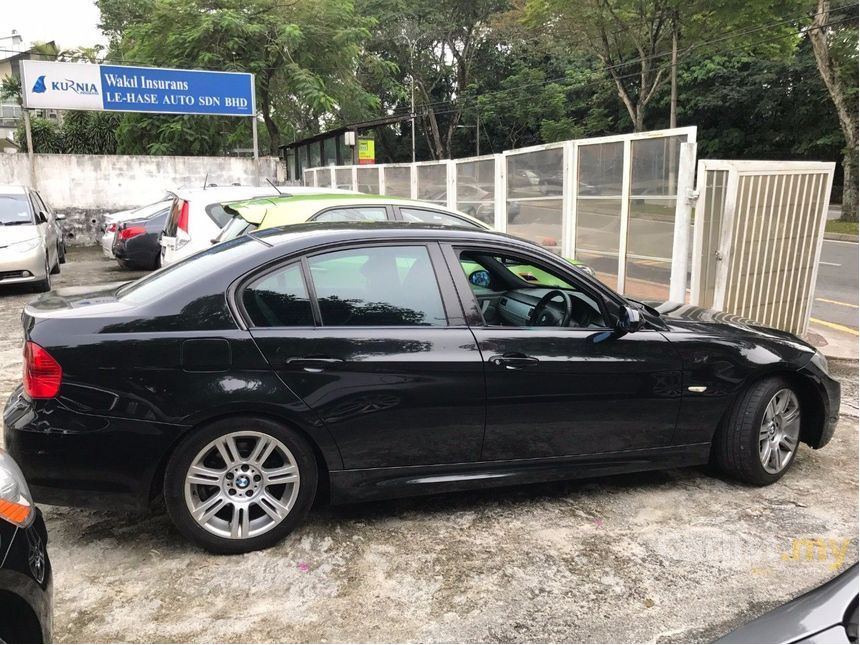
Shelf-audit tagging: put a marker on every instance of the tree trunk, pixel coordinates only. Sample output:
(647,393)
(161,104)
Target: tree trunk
(847,120)
(673,97)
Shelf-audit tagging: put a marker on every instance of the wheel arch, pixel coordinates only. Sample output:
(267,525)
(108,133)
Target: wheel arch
(327,458)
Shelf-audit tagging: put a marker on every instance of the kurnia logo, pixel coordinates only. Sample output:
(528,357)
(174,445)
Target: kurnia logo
(65,86)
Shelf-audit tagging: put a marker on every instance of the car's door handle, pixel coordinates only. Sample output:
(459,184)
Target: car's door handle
(514,361)
(312,363)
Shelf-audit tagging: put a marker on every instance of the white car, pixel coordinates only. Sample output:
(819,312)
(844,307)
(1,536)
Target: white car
(113,221)
(197,215)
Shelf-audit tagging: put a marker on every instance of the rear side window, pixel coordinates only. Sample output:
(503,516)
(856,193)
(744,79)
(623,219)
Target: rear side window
(279,299)
(218,215)
(433,217)
(377,286)
(354,214)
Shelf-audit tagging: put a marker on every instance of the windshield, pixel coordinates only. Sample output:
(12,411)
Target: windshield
(15,209)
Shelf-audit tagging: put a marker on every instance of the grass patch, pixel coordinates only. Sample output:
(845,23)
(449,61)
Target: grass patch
(838,226)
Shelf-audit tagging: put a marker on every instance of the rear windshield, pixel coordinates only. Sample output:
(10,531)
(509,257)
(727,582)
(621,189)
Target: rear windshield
(195,268)
(15,209)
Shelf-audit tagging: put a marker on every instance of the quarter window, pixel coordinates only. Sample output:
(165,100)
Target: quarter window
(354,214)
(379,286)
(279,299)
(433,217)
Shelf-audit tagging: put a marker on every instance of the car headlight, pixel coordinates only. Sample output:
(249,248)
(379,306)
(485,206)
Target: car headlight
(26,245)
(16,504)
(820,361)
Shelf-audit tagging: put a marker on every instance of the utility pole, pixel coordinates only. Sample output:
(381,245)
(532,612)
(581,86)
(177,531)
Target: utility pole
(673,100)
(412,83)
(478,135)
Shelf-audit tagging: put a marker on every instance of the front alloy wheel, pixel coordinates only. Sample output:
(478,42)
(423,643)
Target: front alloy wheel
(240,484)
(779,432)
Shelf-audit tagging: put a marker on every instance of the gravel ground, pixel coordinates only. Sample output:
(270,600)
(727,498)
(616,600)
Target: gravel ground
(659,557)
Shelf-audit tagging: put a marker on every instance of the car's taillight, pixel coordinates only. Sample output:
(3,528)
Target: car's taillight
(131,231)
(111,228)
(42,374)
(182,222)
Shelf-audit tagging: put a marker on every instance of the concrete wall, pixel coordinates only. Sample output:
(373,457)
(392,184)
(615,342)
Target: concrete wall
(86,187)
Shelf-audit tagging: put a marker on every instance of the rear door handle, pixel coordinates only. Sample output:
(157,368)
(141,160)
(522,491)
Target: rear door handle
(313,363)
(515,361)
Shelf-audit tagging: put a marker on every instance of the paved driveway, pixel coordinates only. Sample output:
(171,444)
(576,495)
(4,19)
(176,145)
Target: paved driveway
(670,556)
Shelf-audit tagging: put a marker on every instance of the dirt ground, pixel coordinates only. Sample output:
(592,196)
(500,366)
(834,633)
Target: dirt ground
(659,557)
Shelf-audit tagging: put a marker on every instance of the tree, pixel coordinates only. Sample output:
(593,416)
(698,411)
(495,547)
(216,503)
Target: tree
(835,47)
(47,136)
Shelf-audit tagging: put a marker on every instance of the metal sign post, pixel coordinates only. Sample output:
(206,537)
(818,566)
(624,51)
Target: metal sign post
(254,129)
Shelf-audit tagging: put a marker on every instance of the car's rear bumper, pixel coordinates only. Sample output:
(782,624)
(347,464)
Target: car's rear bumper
(71,458)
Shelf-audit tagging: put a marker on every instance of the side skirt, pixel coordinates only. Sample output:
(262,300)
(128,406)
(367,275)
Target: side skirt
(361,485)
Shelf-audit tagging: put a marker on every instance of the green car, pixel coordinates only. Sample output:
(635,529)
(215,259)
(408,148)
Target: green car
(270,212)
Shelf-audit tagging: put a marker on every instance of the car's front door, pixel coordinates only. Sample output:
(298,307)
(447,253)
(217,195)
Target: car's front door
(373,339)
(556,391)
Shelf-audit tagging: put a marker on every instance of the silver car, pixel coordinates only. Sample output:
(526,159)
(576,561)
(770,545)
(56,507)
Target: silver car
(31,241)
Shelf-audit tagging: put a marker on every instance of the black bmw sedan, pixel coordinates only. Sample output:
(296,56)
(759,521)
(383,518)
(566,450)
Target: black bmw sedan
(26,587)
(386,360)
(136,244)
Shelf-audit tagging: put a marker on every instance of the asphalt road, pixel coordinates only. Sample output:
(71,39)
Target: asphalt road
(836,292)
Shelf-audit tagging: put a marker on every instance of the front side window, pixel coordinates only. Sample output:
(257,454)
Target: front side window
(516,291)
(354,214)
(279,299)
(377,286)
(433,217)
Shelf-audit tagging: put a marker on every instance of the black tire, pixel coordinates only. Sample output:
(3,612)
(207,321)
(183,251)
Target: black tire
(56,268)
(736,444)
(61,252)
(42,286)
(188,449)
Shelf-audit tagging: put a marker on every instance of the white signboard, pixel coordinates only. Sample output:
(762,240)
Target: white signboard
(66,86)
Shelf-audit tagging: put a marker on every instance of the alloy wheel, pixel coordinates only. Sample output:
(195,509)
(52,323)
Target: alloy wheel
(241,485)
(780,431)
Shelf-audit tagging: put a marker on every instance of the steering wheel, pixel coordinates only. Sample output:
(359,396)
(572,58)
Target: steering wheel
(540,316)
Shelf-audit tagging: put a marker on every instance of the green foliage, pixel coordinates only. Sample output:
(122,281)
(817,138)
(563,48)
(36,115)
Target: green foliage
(10,88)
(90,133)
(47,136)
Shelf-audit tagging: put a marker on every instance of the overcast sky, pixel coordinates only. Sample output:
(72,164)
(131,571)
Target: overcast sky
(71,23)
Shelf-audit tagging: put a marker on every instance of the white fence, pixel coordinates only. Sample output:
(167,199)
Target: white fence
(757,239)
(611,202)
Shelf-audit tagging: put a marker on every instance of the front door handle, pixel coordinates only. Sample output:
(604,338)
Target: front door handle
(514,361)
(313,363)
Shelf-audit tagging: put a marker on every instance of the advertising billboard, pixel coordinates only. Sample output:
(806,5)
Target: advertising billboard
(84,86)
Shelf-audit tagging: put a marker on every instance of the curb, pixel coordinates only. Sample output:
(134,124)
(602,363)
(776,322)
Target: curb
(841,237)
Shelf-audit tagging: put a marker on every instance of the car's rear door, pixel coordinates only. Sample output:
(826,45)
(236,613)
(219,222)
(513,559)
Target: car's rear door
(372,338)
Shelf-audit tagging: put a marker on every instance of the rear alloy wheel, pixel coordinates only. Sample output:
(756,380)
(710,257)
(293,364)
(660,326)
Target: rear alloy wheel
(758,441)
(240,485)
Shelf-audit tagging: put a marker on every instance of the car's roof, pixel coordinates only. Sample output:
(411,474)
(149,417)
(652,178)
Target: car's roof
(223,193)
(270,212)
(12,189)
(300,234)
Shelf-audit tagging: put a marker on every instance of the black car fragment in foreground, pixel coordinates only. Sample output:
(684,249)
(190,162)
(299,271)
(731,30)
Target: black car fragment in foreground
(26,591)
(387,360)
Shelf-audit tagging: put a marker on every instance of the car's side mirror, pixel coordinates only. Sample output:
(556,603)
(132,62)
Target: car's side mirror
(629,321)
(480,278)
(43,219)
(60,217)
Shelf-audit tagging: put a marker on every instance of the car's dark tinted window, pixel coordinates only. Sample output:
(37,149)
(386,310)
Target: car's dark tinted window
(378,286)
(434,217)
(279,299)
(15,209)
(353,214)
(218,215)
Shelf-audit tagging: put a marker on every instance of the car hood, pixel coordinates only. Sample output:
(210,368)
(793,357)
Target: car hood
(683,317)
(17,233)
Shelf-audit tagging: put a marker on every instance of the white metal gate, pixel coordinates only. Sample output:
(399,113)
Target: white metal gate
(758,231)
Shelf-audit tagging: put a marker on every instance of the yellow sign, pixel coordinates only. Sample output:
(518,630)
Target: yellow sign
(366,151)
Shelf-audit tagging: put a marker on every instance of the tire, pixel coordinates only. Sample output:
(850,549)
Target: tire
(61,252)
(42,286)
(226,484)
(740,447)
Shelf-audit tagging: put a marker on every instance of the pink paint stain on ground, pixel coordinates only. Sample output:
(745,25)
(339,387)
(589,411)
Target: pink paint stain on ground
(598,522)
(303,567)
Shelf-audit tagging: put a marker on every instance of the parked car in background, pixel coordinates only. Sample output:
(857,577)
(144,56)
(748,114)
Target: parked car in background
(136,243)
(827,614)
(197,215)
(478,202)
(31,239)
(387,359)
(113,221)
(26,585)
(287,210)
